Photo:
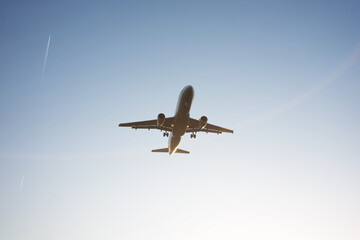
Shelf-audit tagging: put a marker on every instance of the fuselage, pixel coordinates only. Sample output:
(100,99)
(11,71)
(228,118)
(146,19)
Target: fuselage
(181,118)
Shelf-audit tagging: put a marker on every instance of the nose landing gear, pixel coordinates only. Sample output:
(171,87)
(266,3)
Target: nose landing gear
(165,134)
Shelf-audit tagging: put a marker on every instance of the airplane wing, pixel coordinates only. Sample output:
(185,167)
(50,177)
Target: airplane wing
(209,128)
(150,124)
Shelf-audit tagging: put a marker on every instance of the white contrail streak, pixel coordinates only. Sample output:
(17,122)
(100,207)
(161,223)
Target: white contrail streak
(332,77)
(46,54)
(21,183)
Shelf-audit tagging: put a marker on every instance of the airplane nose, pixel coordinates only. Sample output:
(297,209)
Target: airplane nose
(191,89)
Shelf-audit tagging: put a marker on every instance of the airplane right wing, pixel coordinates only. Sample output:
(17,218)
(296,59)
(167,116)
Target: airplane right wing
(194,127)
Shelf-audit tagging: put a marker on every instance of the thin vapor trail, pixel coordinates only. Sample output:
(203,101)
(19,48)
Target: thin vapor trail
(21,183)
(332,77)
(46,54)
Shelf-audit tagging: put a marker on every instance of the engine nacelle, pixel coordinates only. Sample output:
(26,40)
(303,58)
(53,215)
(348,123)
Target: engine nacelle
(160,119)
(202,122)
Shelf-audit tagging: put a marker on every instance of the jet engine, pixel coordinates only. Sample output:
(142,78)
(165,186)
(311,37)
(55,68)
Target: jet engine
(160,119)
(202,122)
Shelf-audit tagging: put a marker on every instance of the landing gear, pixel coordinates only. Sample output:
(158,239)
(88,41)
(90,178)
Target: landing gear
(193,135)
(165,134)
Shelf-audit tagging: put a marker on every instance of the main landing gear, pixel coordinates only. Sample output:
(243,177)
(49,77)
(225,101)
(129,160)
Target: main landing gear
(165,134)
(193,135)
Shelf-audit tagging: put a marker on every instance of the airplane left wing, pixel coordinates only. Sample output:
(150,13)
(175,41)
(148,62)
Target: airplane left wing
(150,124)
(194,126)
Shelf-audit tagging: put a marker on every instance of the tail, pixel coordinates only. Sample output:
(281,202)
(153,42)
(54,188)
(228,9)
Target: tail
(167,150)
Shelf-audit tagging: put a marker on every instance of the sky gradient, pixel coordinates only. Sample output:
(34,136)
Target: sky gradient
(285,76)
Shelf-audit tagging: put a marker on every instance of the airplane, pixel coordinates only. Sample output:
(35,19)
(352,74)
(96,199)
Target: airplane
(178,125)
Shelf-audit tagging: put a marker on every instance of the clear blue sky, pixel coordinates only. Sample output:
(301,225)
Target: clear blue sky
(284,75)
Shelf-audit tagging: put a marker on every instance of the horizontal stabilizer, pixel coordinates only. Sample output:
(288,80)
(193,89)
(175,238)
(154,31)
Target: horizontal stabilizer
(167,150)
(181,151)
(161,150)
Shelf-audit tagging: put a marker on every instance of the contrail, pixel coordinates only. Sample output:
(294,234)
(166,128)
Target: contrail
(21,183)
(46,54)
(332,77)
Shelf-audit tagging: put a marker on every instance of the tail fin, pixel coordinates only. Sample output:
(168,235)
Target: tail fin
(167,150)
